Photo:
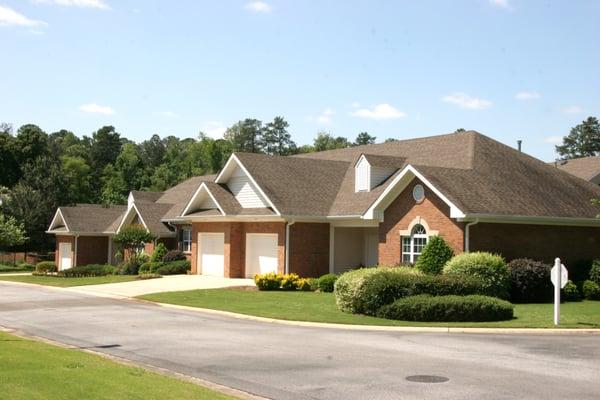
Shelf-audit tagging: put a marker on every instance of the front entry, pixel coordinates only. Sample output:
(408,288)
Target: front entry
(211,254)
(261,253)
(65,256)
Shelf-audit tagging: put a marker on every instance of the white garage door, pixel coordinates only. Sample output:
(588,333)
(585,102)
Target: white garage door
(64,253)
(211,254)
(261,254)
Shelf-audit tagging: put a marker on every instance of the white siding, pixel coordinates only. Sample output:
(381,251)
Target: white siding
(362,171)
(380,174)
(244,191)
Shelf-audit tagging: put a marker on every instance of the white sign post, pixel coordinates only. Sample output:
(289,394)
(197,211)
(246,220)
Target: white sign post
(559,277)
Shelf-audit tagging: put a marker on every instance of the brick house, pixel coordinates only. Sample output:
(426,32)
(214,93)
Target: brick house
(587,168)
(366,205)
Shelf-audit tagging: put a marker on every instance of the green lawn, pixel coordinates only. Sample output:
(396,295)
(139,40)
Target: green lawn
(32,370)
(320,307)
(67,282)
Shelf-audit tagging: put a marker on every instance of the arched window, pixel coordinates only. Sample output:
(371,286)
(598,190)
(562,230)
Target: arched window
(412,245)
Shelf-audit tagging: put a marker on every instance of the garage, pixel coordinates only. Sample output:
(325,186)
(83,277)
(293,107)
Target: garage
(65,256)
(211,254)
(261,253)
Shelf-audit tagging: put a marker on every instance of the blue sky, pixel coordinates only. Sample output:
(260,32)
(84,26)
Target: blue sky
(511,69)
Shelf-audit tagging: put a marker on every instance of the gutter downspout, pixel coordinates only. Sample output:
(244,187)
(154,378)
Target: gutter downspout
(75,253)
(467,233)
(287,246)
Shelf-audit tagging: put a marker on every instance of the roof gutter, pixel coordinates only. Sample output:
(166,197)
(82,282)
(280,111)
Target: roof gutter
(468,234)
(531,220)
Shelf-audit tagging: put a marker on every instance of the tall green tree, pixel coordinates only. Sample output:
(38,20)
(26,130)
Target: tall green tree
(245,136)
(582,141)
(77,175)
(105,147)
(325,141)
(276,140)
(12,233)
(31,142)
(364,138)
(8,162)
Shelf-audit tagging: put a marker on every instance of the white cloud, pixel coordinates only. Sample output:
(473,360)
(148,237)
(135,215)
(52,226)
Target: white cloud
(463,100)
(325,116)
(527,96)
(9,17)
(572,110)
(94,108)
(379,112)
(258,6)
(169,114)
(553,139)
(100,4)
(214,129)
(501,4)
(355,105)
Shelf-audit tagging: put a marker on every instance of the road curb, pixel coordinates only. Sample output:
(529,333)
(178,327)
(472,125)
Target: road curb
(240,394)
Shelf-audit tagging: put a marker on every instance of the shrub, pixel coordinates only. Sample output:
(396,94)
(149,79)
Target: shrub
(159,252)
(314,284)
(304,285)
(289,281)
(174,268)
(174,255)
(434,256)
(530,281)
(591,290)
(88,270)
(150,267)
(45,267)
(29,267)
(327,282)
(595,272)
(570,292)
(448,309)
(148,276)
(366,290)
(579,271)
(490,268)
(132,265)
(268,281)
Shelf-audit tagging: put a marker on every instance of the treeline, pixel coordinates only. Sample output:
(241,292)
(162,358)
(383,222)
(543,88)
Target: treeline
(41,171)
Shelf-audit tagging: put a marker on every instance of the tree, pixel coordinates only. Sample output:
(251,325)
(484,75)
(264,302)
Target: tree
(434,256)
(105,147)
(324,141)
(27,205)
(12,233)
(276,138)
(8,162)
(76,173)
(582,141)
(31,142)
(364,138)
(152,152)
(133,237)
(245,136)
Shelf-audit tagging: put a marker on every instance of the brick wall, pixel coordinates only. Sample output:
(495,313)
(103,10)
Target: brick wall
(309,249)
(403,210)
(540,242)
(92,250)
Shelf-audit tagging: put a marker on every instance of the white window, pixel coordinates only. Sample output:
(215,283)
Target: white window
(412,245)
(186,240)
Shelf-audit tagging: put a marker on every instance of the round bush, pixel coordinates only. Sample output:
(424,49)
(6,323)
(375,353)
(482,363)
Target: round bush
(44,267)
(327,282)
(490,268)
(595,272)
(364,291)
(591,290)
(174,255)
(268,281)
(290,281)
(530,281)
(434,256)
(174,268)
(472,308)
(570,292)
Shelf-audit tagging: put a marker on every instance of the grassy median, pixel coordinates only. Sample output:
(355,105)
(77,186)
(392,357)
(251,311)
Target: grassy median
(31,370)
(67,282)
(320,307)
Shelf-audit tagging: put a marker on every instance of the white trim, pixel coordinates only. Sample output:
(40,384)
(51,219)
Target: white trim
(196,193)
(531,220)
(418,221)
(62,217)
(455,212)
(233,158)
(133,207)
(468,234)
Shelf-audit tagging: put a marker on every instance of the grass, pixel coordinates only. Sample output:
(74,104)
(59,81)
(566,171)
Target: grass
(68,282)
(320,307)
(32,370)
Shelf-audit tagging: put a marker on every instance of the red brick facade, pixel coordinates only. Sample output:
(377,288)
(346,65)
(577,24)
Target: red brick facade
(403,211)
(309,249)
(92,250)
(539,242)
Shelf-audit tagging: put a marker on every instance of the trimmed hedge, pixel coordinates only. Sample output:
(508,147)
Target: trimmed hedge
(88,270)
(45,267)
(530,281)
(150,267)
(327,282)
(434,256)
(174,268)
(490,268)
(427,308)
(364,291)
(591,290)
(174,255)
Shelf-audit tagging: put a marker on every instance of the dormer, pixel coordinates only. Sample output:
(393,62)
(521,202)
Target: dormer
(371,170)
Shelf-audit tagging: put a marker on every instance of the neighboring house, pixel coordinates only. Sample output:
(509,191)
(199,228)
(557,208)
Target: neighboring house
(587,168)
(334,210)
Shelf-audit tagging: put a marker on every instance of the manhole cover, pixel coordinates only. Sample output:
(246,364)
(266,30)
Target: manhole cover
(427,378)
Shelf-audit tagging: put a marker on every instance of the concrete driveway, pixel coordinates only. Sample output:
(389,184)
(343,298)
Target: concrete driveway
(168,283)
(291,362)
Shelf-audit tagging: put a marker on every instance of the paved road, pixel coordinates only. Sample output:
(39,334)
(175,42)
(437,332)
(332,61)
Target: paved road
(288,362)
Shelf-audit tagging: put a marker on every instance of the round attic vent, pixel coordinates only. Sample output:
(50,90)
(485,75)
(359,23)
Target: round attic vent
(418,193)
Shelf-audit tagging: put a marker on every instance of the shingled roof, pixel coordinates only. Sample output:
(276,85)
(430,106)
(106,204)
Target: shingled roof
(91,218)
(587,168)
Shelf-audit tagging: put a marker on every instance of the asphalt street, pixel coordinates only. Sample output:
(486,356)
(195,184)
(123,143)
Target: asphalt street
(290,362)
